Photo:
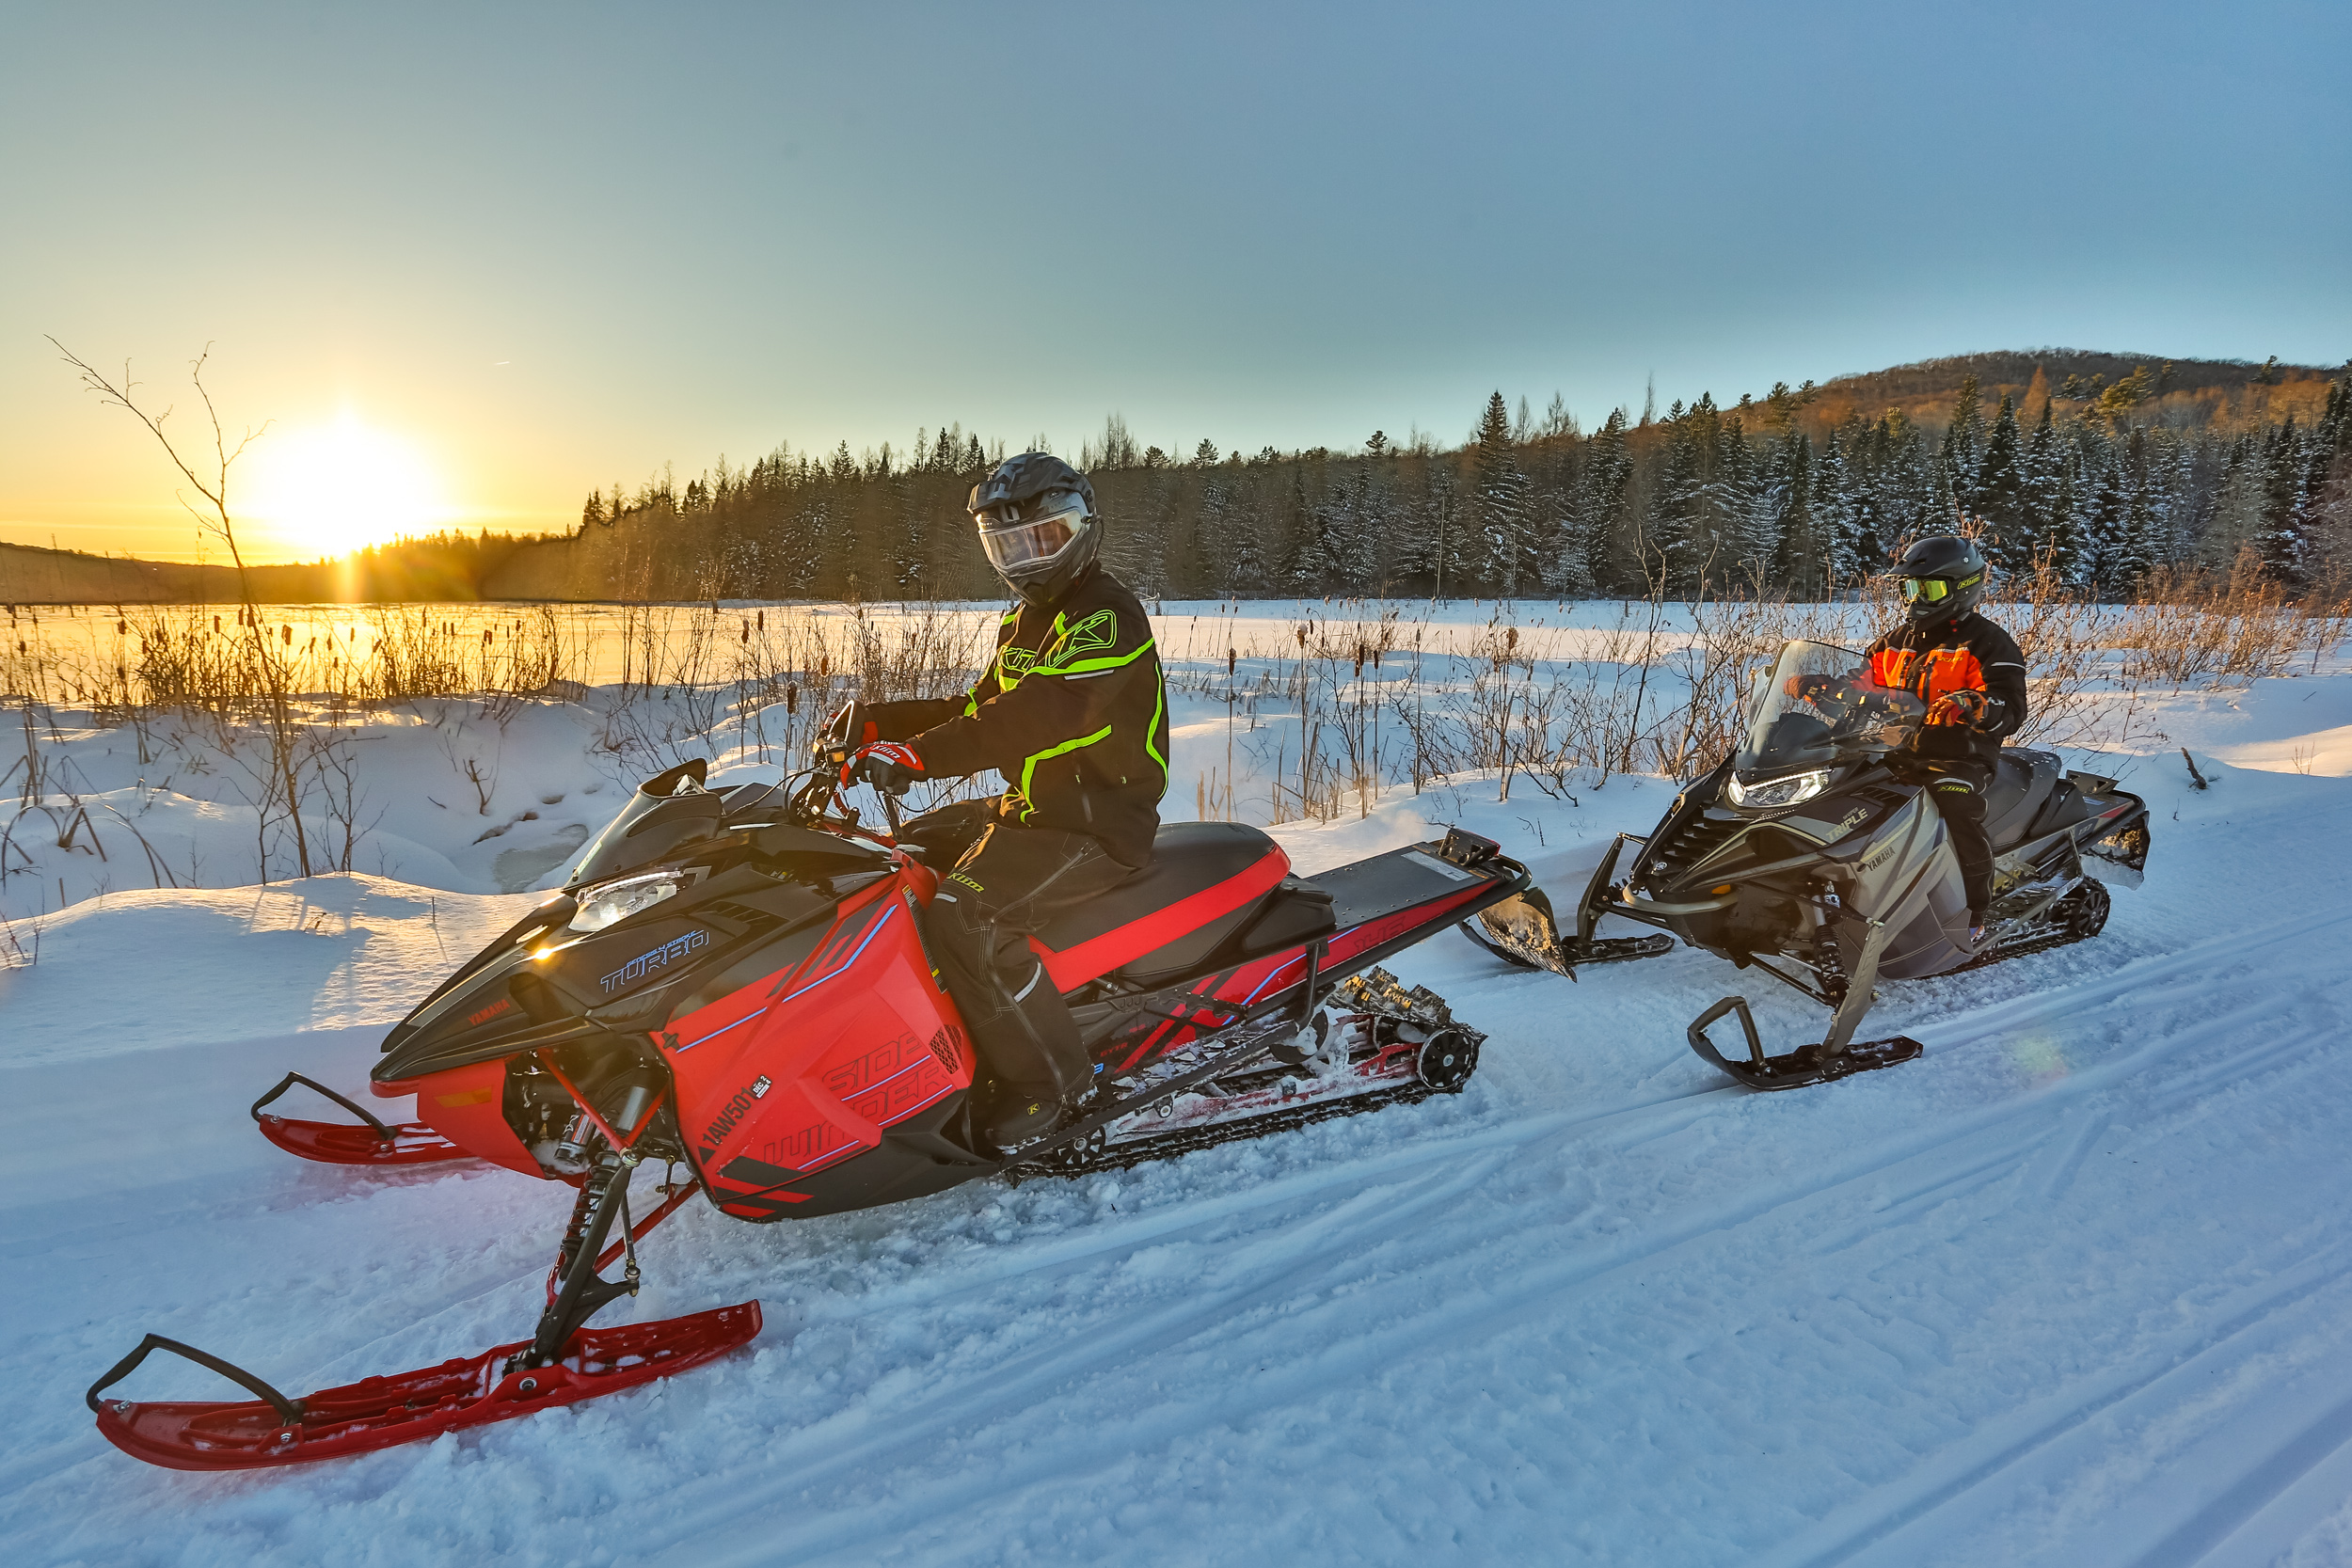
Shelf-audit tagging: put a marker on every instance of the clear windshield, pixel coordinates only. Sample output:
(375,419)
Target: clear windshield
(1817,705)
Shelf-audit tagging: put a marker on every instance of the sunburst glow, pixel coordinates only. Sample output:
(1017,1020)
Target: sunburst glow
(341,487)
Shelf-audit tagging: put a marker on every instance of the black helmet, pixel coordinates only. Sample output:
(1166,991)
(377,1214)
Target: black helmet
(1037,524)
(1942,579)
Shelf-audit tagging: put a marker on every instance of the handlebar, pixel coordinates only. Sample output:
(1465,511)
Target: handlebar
(822,789)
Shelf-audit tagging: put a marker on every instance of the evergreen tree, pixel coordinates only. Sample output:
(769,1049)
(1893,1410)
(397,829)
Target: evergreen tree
(1957,463)
(1836,523)
(2062,530)
(1801,564)
(2283,497)
(2002,496)
(1610,554)
(2103,529)
(2045,464)
(1504,523)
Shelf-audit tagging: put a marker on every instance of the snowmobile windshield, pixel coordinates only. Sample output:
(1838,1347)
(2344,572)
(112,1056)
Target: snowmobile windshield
(666,814)
(1817,705)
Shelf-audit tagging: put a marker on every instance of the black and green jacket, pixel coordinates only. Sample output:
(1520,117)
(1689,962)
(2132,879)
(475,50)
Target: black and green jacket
(1073,711)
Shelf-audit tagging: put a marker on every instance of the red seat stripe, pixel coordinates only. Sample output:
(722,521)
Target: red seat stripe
(1122,944)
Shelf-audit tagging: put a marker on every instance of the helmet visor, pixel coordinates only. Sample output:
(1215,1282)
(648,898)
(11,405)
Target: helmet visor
(1924,590)
(1023,537)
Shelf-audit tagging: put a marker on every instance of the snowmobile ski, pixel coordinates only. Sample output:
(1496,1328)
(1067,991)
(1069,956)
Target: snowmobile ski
(334,1143)
(1801,1068)
(562,1363)
(407,1407)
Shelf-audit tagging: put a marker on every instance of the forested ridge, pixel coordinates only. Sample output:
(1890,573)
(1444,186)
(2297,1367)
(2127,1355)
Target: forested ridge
(437,567)
(2099,467)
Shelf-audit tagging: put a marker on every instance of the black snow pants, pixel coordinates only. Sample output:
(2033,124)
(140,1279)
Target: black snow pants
(1958,786)
(1007,882)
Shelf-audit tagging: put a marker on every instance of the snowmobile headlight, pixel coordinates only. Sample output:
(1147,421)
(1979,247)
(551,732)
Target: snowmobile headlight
(1777,792)
(610,903)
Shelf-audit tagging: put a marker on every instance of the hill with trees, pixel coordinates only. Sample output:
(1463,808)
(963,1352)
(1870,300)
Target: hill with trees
(2102,466)
(2098,467)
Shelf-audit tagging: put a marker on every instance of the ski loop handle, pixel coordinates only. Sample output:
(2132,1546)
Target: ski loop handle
(288,1410)
(1696,1032)
(291,1079)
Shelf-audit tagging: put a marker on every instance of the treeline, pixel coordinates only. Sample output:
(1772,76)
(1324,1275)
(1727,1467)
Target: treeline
(2100,479)
(428,568)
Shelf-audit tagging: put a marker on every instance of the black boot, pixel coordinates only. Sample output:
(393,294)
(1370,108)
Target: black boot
(1014,1117)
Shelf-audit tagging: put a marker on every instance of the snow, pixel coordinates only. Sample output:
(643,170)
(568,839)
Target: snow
(2070,1289)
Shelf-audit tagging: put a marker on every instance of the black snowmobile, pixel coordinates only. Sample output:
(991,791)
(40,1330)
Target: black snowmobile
(1806,856)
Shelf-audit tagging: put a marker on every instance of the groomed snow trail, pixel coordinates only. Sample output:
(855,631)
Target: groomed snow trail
(2071,1289)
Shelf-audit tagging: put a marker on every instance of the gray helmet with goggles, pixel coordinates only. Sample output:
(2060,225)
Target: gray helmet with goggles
(1941,578)
(1037,521)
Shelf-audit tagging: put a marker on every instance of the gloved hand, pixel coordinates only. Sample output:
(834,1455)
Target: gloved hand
(889,765)
(846,731)
(1967,706)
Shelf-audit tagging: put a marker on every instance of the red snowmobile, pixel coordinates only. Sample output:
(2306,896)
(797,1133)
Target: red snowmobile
(734,987)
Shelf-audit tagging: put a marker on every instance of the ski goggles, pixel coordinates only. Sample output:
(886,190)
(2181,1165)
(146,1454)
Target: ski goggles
(1924,590)
(1021,536)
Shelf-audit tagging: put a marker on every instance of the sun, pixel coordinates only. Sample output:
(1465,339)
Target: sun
(335,488)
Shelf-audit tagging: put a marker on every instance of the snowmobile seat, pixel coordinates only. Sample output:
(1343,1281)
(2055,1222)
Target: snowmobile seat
(2022,782)
(1205,881)
(2064,808)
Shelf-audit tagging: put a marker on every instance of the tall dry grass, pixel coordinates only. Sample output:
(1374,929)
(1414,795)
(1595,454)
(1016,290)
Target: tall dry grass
(1323,715)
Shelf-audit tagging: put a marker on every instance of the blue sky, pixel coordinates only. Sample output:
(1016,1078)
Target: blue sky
(552,248)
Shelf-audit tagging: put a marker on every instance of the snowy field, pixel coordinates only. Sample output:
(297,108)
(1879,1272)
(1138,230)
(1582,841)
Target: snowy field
(2073,1289)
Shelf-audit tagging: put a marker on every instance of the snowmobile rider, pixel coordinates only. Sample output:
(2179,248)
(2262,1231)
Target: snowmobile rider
(1073,712)
(1972,678)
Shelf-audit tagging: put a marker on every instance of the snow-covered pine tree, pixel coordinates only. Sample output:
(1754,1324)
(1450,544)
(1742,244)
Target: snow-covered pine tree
(1800,564)
(1747,517)
(1504,524)
(1600,496)
(2045,462)
(1956,463)
(2139,540)
(2282,502)
(1836,523)
(2002,496)
(2103,515)
(2236,523)
(2062,527)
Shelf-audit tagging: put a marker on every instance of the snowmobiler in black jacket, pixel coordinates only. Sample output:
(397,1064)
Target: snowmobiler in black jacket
(1073,712)
(1972,678)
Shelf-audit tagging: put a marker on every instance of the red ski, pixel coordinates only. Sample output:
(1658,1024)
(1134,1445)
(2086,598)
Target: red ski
(334,1143)
(561,1364)
(379,1412)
